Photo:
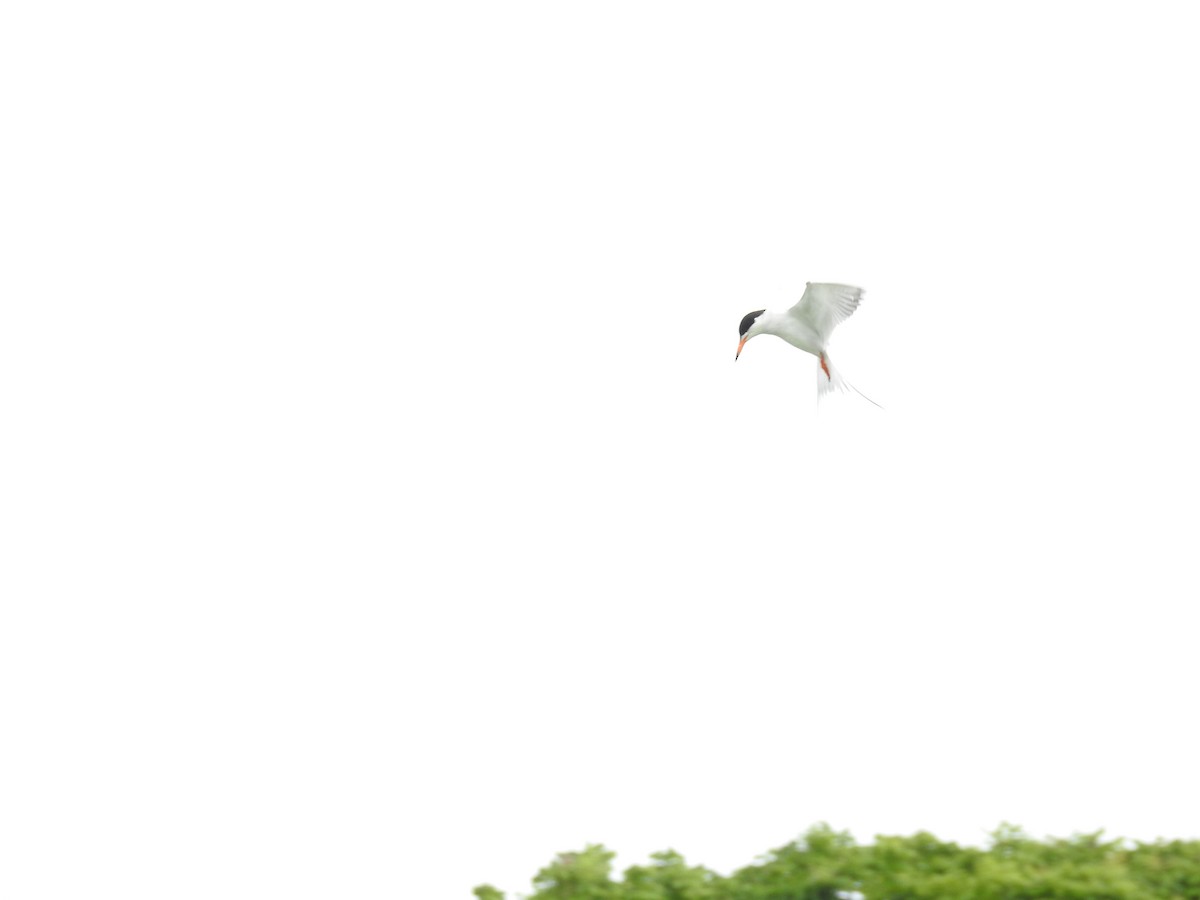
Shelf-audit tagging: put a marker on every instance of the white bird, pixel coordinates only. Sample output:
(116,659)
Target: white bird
(808,325)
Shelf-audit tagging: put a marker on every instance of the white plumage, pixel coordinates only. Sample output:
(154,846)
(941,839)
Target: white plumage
(808,326)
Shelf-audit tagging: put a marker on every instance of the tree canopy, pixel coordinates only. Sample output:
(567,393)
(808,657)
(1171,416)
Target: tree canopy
(829,865)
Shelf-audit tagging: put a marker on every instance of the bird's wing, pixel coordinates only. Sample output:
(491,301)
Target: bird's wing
(823,306)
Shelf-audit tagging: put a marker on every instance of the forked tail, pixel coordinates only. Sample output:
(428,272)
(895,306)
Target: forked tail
(829,379)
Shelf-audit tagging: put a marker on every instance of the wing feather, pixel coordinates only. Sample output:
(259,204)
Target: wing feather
(823,306)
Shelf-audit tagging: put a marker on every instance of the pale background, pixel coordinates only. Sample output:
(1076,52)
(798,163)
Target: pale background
(383,509)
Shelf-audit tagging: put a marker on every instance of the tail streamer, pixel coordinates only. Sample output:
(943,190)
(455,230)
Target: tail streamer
(829,379)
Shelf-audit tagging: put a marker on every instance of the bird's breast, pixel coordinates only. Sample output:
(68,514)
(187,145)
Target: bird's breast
(797,334)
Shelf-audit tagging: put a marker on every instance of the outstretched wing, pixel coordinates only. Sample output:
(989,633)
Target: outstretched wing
(823,306)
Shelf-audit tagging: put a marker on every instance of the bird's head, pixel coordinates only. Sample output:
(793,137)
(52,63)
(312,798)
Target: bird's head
(749,328)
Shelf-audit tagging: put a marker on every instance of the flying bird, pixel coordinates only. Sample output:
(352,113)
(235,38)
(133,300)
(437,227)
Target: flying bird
(808,325)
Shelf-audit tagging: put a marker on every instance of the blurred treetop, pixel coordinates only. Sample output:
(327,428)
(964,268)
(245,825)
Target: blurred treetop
(828,865)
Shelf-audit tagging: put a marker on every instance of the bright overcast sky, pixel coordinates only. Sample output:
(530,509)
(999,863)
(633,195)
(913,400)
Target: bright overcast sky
(384,511)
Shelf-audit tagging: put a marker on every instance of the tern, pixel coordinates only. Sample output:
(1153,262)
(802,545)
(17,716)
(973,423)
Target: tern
(808,325)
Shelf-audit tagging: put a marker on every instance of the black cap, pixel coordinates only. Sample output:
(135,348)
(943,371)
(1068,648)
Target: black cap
(748,321)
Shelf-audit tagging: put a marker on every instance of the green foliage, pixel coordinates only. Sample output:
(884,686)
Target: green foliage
(578,876)
(668,878)
(828,865)
(815,867)
(1168,869)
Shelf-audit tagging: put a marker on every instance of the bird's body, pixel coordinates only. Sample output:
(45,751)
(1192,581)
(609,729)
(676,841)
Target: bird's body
(794,330)
(808,326)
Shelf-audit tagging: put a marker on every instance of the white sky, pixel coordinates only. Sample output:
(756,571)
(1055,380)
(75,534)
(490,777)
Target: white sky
(383,508)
